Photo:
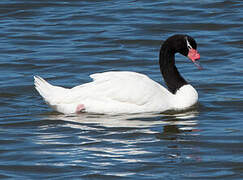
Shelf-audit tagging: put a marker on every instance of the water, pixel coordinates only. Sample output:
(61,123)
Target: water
(66,41)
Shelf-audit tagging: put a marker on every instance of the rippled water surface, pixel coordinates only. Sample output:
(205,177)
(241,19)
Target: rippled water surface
(66,41)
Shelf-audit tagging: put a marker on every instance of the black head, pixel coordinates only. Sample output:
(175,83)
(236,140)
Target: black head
(181,43)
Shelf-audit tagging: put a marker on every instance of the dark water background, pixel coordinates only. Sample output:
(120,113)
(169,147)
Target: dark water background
(65,41)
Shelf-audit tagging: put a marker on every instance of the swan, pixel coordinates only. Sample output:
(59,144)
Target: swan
(118,92)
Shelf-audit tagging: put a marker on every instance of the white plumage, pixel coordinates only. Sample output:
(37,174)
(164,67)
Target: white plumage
(115,93)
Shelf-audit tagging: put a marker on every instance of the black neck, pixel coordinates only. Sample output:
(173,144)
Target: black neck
(172,77)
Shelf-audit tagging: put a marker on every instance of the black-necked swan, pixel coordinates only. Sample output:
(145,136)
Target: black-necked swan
(117,92)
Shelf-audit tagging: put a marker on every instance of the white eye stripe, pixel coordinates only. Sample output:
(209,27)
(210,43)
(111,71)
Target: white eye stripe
(188,44)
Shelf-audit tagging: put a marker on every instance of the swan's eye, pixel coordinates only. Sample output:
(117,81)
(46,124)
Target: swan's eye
(188,44)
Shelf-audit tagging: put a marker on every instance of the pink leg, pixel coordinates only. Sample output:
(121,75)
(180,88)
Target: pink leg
(80,108)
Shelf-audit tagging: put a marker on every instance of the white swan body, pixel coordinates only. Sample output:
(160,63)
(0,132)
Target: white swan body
(129,92)
(116,92)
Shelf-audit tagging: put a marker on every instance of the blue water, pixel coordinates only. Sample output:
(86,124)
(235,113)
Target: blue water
(66,41)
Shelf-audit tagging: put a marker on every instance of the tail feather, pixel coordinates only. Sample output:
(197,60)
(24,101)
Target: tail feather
(51,94)
(43,87)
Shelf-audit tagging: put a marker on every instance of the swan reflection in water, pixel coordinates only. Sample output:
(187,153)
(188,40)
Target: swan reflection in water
(129,120)
(122,135)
